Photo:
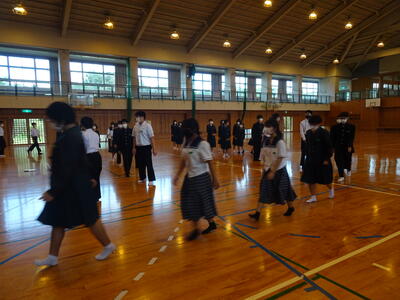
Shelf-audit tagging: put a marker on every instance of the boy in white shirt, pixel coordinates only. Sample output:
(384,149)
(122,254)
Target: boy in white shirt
(2,140)
(35,134)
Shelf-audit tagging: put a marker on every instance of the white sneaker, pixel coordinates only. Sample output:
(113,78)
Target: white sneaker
(107,251)
(312,199)
(348,173)
(341,179)
(50,260)
(151,183)
(142,181)
(331,194)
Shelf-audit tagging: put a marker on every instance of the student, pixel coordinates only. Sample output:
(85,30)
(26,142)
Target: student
(35,135)
(174,133)
(304,127)
(179,136)
(275,184)
(276,117)
(226,139)
(96,129)
(145,147)
(110,133)
(125,146)
(197,197)
(317,164)
(241,134)
(342,137)
(235,133)
(2,140)
(256,137)
(211,133)
(116,141)
(91,140)
(220,127)
(71,200)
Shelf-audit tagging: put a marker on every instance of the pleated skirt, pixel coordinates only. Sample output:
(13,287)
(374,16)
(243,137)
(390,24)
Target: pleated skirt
(278,190)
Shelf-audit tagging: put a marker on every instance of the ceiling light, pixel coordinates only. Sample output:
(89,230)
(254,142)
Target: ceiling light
(313,14)
(20,10)
(268,50)
(336,61)
(174,35)
(267,3)
(380,44)
(348,25)
(108,24)
(227,44)
(303,55)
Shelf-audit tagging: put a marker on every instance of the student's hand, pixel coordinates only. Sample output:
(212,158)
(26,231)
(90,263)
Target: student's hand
(349,149)
(326,163)
(93,182)
(215,184)
(271,175)
(154,153)
(175,180)
(47,197)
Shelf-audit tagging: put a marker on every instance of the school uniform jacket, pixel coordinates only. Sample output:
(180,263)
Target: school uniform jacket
(342,135)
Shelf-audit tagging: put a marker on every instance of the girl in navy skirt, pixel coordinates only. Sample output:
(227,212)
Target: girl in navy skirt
(275,186)
(197,196)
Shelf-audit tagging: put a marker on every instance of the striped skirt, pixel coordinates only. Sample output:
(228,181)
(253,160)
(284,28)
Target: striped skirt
(197,198)
(278,190)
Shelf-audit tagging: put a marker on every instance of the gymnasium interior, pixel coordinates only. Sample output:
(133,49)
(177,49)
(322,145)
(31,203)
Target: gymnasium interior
(208,59)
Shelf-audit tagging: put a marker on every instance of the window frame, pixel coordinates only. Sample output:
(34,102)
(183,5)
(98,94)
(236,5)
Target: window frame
(86,86)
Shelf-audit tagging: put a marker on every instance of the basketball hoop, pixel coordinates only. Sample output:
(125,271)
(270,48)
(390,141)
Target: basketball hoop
(272,104)
(81,101)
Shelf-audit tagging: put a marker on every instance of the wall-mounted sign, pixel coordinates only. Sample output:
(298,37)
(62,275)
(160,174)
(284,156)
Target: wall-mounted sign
(26,111)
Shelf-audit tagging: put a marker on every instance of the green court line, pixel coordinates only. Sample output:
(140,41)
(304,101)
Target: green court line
(291,289)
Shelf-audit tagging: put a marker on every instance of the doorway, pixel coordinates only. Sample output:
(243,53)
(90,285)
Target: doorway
(287,123)
(21,131)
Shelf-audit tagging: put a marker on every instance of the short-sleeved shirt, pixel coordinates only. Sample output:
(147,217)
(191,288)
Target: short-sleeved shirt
(143,134)
(196,158)
(34,132)
(1,131)
(304,127)
(270,153)
(91,140)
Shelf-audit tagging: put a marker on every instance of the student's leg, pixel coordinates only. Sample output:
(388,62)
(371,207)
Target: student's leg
(339,159)
(32,146)
(100,234)
(141,163)
(37,146)
(149,164)
(195,231)
(290,209)
(313,191)
(347,166)
(303,153)
(56,238)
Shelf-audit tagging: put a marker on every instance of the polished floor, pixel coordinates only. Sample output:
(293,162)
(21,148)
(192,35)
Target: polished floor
(345,248)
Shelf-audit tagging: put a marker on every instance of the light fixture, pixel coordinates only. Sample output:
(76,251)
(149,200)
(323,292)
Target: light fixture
(381,44)
(313,14)
(268,50)
(336,61)
(348,24)
(174,34)
(303,56)
(227,43)
(267,3)
(20,10)
(108,24)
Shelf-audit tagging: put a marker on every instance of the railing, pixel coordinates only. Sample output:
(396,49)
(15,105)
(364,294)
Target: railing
(367,94)
(154,93)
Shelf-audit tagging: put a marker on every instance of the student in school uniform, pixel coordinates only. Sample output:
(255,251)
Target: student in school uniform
(35,135)
(220,127)
(179,136)
(304,127)
(96,129)
(317,165)
(342,137)
(2,139)
(91,140)
(256,137)
(71,200)
(174,132)
(125,146)
(197,196)
(145,148)
(110,133)
(226,139)
(211,133)
(275,186)
(241,134)
(235,133)
(116,140)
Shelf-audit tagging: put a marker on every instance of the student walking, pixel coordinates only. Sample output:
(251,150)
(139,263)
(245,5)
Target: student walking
(239,138)
(275,186)
(304,127)
(110,133)
(71,200)
(211,133)
(179,136)
(197,196)
(318,165)
(226,139)
(35,135)
(174,134)
(235,133)
(145,148)
(256,137)
(125,146)
(2,140)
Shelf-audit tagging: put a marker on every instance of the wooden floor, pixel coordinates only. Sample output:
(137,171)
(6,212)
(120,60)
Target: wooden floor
(240,260)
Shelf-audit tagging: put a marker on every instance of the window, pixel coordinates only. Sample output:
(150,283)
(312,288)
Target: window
(241,83)
(222,82)
(24,72)
(289,87)
(202,84)
(258,85)
(92,77)
(154,78)
(309,90)
(274,88)
(375,85)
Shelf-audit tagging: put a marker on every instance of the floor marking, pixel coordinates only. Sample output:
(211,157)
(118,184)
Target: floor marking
(139,276)
(152,261)
(304,235)
(369,237)
(394,183)
(170,238)
(176,229)
(245,225)
(365,189)
(253,246)
(381,267)
(162,249)
(310,289)
(181,222)
(121,295)
(324,266)
(25,250)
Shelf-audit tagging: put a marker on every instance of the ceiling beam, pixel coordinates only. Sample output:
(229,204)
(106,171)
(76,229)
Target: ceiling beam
(349,45)
(271,21)
(214,19)
(66,17)
(392,6)
(144,21)
(373,55)
(371,44)
(313,29)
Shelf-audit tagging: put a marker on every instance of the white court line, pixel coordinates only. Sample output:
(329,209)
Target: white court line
(152,261)
(139,276)
(381,267)
(162,249)
(176,229)
(322,267)
(170,238)
(121,295)
(365,189)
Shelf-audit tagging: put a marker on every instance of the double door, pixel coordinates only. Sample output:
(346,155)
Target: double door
(21,129)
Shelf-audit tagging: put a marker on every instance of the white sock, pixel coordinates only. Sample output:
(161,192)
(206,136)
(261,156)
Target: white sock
(107,250)
(312,199)
(331,193)
(50,260)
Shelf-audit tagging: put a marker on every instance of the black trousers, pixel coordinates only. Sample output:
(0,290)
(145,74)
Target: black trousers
(127,156)
(256,150)
(343,159)
(303,152)
(96,165)
(145,161)
(35,145)
(2,145)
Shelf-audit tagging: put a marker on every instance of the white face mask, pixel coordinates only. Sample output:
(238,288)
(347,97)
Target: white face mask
(314,127)
(344,121)
(211,123)
(339,121)
(1,125)
(125,125)
(119,125)
(57,126)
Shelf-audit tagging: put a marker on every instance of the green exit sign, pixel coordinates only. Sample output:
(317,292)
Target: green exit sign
(26,111)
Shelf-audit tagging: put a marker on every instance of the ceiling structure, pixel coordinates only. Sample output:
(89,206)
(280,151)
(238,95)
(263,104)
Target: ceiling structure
(249,26)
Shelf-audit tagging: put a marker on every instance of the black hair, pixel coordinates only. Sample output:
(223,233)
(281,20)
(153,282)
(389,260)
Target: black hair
(119,122)
(1,122)
(191,124)
(61,112)
(210,120)
(344,114)
(275,116)
(274,124)
(308,112)
(315,120)
(260,117)
(33,124)
(87,122)
(140,113)
(124,121)
(238,120)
